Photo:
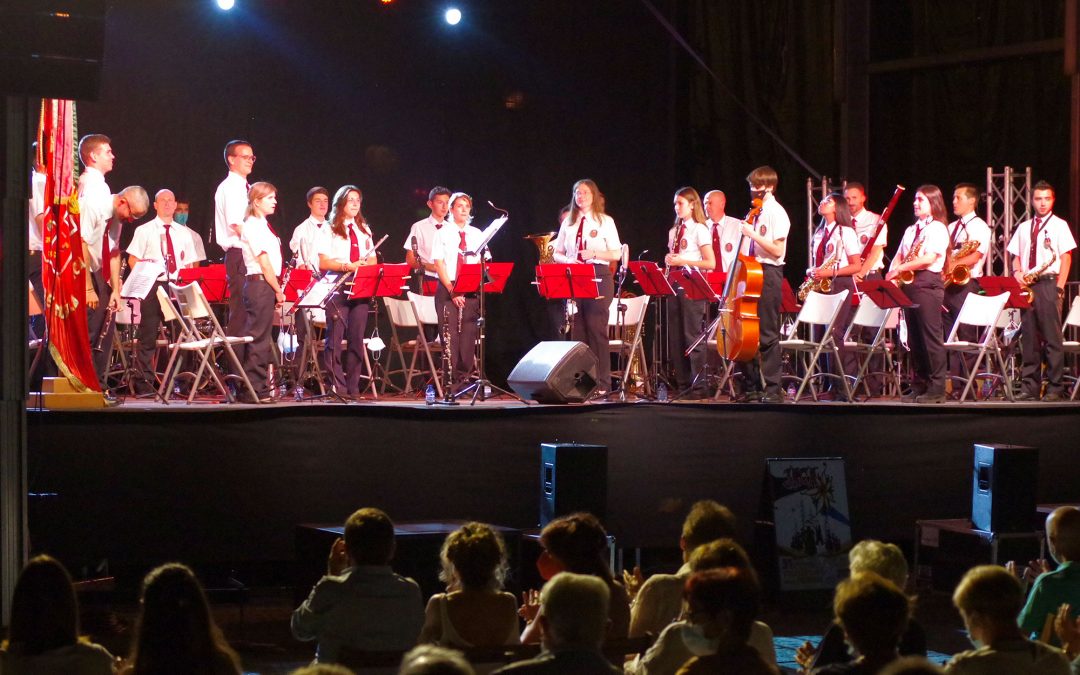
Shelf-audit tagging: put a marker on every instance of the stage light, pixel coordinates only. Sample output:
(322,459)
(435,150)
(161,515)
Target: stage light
(453,16)
(226,4)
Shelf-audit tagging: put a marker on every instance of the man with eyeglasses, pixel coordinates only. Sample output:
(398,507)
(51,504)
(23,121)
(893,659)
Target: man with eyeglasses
(230,205)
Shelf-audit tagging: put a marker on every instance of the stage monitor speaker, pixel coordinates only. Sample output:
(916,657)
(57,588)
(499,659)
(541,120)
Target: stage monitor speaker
(1003,488)
(555,372)
(573,477)
(52,48)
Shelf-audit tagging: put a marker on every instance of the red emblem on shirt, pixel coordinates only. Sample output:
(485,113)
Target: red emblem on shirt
(762,230)
(682,245)
(728,247)
(829,249)
(863,239)
(593,234)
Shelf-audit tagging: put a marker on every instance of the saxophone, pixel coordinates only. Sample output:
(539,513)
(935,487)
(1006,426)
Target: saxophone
(1033,276)
(960,274)
(907,276)
(820,285)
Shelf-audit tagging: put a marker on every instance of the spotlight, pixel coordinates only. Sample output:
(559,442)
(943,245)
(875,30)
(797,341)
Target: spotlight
(453,16)
(226,4)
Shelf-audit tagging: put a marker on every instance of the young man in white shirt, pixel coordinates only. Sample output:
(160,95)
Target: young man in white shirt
(230,203)
(170,243)
(422,237)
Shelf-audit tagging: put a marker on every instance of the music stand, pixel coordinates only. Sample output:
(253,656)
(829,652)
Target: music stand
(716,279)
(885,294)
(696,286)
(317,296)
(654,284)
(997,285)
(383,280)
(211,280)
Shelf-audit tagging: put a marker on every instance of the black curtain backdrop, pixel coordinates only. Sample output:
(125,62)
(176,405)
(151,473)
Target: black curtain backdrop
(940,125)
(513,105)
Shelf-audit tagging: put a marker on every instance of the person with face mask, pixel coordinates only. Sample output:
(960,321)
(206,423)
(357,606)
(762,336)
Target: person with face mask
(989,598)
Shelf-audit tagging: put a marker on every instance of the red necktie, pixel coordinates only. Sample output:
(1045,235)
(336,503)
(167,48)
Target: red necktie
(170,254)
(461,249)
(676,246)
(106,252)
(580,243)
(354,245)
(1036,226)
(716,243)
(819,255)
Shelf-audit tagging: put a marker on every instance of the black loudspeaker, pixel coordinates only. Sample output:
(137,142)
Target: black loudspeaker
(573,477)
(52,48)
(555,372)
(1003,488)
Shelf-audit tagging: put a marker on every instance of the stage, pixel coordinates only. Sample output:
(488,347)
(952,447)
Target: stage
(227,485)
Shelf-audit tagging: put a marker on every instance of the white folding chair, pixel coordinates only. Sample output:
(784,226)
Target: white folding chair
(194,309)
(404,318)
(424,314)
(818,313)
(871,318)
(983,313)
(1072,320)
(625,327)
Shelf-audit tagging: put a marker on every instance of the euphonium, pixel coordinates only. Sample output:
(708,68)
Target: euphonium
(544,248)
(823,285)
(907,276)
(1033,276)
(960,274)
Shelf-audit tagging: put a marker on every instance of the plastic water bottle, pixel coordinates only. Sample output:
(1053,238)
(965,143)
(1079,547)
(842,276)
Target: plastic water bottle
(429,395)
(791,391)
(661,392)
(298,393)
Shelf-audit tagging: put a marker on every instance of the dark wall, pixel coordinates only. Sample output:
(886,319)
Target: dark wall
(394,100)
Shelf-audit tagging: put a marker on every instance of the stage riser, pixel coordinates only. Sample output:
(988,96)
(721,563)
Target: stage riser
(231,485)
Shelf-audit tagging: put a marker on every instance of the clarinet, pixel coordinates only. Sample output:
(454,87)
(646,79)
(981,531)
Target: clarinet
(446,366)
(110,312)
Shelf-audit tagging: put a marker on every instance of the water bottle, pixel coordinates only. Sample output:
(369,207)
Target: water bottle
(791,391)
(661,392)
(298,393)
(283,391)
(429,394)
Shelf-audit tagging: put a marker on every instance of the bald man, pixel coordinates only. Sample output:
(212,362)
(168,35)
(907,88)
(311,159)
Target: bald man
(1062,585)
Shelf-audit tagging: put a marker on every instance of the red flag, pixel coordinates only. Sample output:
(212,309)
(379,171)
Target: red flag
(64,273)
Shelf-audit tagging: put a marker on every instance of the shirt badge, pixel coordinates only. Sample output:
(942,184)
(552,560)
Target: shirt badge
(593,233)
(762,230)
(863,239)
(728,247)
(682,245)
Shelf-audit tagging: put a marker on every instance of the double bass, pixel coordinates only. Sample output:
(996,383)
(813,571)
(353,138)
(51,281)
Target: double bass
(737,330)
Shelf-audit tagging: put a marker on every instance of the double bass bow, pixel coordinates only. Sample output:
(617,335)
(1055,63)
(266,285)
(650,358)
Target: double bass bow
(737,332)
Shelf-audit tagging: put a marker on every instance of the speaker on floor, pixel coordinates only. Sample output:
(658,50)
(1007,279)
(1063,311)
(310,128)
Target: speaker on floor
(1003,488)
(573,477)
(52,48)
(555,372)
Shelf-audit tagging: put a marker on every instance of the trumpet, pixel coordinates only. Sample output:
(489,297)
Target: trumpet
(960,274)
(544,248)
(907,276)
(1033,276)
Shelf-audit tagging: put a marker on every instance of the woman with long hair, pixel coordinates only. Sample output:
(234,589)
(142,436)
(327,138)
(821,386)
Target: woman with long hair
(343,248)
(43,633)
(262,292)
(689,246)
(577,543)
(922,253)
(174,632)
(588,235)
(474,611)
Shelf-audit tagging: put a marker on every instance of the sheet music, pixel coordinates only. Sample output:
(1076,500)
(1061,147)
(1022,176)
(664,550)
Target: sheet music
(142,279)
(316,297)
(489,233)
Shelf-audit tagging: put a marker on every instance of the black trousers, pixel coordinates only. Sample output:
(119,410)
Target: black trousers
(235,274)
(924,332)
(149,324)
(768,365)
(33,275)
(591,322)
(259,302)
(555,317)
(345,319)
(684,318)
(1040,333)
(95,320)
(462,342)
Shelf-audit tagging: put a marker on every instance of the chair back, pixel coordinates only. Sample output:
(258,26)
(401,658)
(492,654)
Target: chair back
(981,311)
(1072,319)
(191,300)
(400,313)
(869,315)
(168,310)
(635,310)
(820,309)
(424,305)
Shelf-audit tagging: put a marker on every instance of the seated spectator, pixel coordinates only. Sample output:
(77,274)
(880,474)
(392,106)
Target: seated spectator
(577,543)
(474,612)
(885,560)
(432,660)
(323,669)
(912,665)
(43,632)
(174,632)
(873,613)
(573,614)
(659,600)
(989,598)
(670,651)
(361,603)
(722,605)
(1052,588)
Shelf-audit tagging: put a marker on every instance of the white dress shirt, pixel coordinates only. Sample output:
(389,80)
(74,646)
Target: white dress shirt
(1056,231)
(258,239)
(773,224)
(230,205)
(303,240)
(596,234)
(37,207)
(694,236)
(935,239)
(96,215)
(149,243)
(844,237)
(865,223)
(971,227)
(424,231)
(728,238)
(447,243)
(339,249)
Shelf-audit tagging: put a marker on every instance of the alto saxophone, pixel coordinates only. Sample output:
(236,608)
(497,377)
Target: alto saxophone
(823,285)
(1033,276)
(907,276)
(960,274)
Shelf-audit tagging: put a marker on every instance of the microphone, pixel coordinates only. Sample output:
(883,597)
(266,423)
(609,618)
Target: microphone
(502,211)
(642,254)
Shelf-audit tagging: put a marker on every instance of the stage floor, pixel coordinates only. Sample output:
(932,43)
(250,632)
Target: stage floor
(214,483)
